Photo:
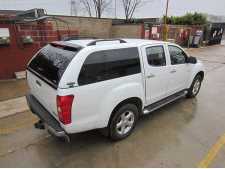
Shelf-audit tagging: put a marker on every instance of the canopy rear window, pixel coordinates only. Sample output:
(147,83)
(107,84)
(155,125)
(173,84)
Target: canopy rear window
(51,62)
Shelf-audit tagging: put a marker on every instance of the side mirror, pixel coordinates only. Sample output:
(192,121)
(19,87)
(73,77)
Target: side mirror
(191,60)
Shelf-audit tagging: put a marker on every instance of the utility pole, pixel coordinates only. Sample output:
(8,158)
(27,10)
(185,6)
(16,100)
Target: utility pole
(73,8)
(115,9)
(165,30)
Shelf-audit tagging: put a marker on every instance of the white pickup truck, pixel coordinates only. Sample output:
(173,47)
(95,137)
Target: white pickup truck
(80,85)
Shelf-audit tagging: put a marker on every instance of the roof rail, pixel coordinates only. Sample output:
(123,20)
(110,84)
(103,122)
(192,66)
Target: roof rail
(103,40)
(77,38)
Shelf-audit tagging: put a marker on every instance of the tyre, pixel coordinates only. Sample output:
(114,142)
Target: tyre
(123,122)
(195,87)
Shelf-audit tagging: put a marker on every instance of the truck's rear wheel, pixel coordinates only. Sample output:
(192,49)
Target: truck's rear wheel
(123,122)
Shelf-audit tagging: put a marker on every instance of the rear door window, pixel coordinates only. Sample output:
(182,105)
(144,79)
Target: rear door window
(51,62)
(156,56)
(109,64)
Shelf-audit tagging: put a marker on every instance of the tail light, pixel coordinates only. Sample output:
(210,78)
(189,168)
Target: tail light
(64,106)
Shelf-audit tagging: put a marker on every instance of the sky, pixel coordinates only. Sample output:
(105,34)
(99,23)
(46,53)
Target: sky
(153,8)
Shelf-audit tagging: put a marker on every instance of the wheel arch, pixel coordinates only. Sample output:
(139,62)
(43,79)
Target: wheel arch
(132,100)
(201,73)
(193,75)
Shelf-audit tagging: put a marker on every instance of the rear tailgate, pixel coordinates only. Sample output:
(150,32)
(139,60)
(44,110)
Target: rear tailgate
(45,71)
(43,92)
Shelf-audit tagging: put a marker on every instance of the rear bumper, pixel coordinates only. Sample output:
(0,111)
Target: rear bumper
(51,123)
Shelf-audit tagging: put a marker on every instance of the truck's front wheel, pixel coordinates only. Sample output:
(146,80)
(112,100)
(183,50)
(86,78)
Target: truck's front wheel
(195,87)
(123,122)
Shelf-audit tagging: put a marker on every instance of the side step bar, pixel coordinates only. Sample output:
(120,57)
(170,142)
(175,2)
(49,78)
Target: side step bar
(164,102)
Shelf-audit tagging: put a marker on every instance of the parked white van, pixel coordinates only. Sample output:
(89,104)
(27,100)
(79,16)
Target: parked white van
(80,85)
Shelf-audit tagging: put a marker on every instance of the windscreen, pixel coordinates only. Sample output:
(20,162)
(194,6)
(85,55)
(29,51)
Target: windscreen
(51,62)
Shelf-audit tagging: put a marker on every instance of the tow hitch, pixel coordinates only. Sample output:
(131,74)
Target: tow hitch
(47,121)
(39,125)
(60,134)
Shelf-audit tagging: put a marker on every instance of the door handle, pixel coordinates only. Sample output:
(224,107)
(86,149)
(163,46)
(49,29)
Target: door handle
(38,83)
(150,76)
(173,71)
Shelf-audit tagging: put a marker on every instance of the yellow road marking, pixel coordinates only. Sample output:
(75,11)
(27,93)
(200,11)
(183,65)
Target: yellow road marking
(212,153)
(17,126)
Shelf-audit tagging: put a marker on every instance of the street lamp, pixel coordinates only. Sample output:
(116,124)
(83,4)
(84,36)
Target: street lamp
(165,30)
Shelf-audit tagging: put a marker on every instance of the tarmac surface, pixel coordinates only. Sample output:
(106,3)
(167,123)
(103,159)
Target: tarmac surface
(10,89)
(186,133)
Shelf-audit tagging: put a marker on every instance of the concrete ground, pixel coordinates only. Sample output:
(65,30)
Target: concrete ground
(187,133)
(12,89)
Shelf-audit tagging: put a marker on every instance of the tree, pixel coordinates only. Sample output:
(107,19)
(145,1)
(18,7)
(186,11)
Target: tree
(87,6)
(188,19)
(96,6)
(100,6)
(130,7)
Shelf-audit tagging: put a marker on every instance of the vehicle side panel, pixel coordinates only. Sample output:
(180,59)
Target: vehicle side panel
(94,103)
(194,70)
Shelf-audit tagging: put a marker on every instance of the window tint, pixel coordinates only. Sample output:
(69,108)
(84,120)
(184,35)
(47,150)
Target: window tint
(156,56)
(110,64)
(177,55)
(51,62)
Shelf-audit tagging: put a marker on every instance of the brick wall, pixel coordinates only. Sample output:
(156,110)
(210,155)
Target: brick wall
(44,32)
(41,32)
(100,28)
(127,31)
(15,57)
(88,27)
